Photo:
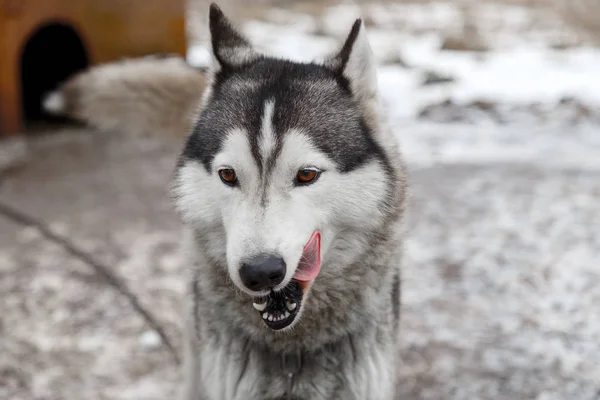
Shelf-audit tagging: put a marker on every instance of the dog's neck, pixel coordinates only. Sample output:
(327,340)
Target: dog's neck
(345,320)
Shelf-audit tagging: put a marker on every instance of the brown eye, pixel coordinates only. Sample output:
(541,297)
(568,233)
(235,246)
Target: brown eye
(307,175)
(228,176)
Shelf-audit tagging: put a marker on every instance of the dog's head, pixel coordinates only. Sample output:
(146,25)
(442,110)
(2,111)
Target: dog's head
(284,157)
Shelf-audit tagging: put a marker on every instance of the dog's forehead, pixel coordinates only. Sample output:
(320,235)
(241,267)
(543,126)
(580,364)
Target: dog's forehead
(294,97)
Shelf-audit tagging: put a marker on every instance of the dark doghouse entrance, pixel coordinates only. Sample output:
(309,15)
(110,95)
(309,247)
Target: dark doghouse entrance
(52,53)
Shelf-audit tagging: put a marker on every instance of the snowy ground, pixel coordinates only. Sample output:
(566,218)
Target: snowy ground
(522,68)
(502,271)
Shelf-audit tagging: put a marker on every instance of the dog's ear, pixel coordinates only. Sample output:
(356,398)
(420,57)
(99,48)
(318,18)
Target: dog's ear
(230,48)
(355,62)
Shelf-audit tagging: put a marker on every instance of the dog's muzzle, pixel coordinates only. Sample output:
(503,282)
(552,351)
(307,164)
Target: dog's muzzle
(280,308)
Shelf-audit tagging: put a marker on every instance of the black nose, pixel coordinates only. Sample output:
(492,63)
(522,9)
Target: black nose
(262,272)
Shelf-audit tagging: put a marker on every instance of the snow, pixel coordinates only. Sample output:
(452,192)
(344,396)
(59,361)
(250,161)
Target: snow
(199,56)
(426,145)
(521,76)
(150,339)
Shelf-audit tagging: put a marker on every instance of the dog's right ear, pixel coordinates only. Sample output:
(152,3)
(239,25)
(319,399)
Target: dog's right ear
(355,62)
(230,48)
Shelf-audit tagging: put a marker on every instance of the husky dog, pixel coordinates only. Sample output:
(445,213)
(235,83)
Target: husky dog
(292,194)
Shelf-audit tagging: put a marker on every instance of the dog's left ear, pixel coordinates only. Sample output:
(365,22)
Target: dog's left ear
(355,62)
(229,47)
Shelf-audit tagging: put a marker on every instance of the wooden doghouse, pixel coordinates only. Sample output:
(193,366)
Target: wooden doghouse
(42,42)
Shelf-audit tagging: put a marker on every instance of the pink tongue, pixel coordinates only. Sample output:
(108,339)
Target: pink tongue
(310,263)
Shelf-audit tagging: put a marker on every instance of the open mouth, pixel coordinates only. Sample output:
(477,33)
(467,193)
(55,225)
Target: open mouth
(279,309)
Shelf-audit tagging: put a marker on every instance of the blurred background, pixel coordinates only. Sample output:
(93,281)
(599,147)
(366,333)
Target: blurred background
(496,105)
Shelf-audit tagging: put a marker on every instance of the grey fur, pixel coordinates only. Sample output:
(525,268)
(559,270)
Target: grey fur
(347,333)
(155,95)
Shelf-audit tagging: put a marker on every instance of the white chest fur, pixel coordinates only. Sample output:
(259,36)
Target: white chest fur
(237,372)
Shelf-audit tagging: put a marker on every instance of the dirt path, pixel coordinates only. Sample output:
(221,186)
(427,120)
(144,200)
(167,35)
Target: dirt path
(500,294)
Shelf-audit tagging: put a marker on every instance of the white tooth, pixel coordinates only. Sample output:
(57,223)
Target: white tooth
(265,315)
(287,314)
(291,305)
(261,306)
(270,318)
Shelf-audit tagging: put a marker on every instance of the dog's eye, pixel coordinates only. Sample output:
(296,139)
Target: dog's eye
(228,176)
(307,176)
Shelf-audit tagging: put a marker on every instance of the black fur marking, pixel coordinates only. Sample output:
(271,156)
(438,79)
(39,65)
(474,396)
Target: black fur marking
(196,300)
(353,348)
(308,97)
(344,54)
(246,355)
(269,166)
(313,98)
(273,156)
(396,292)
